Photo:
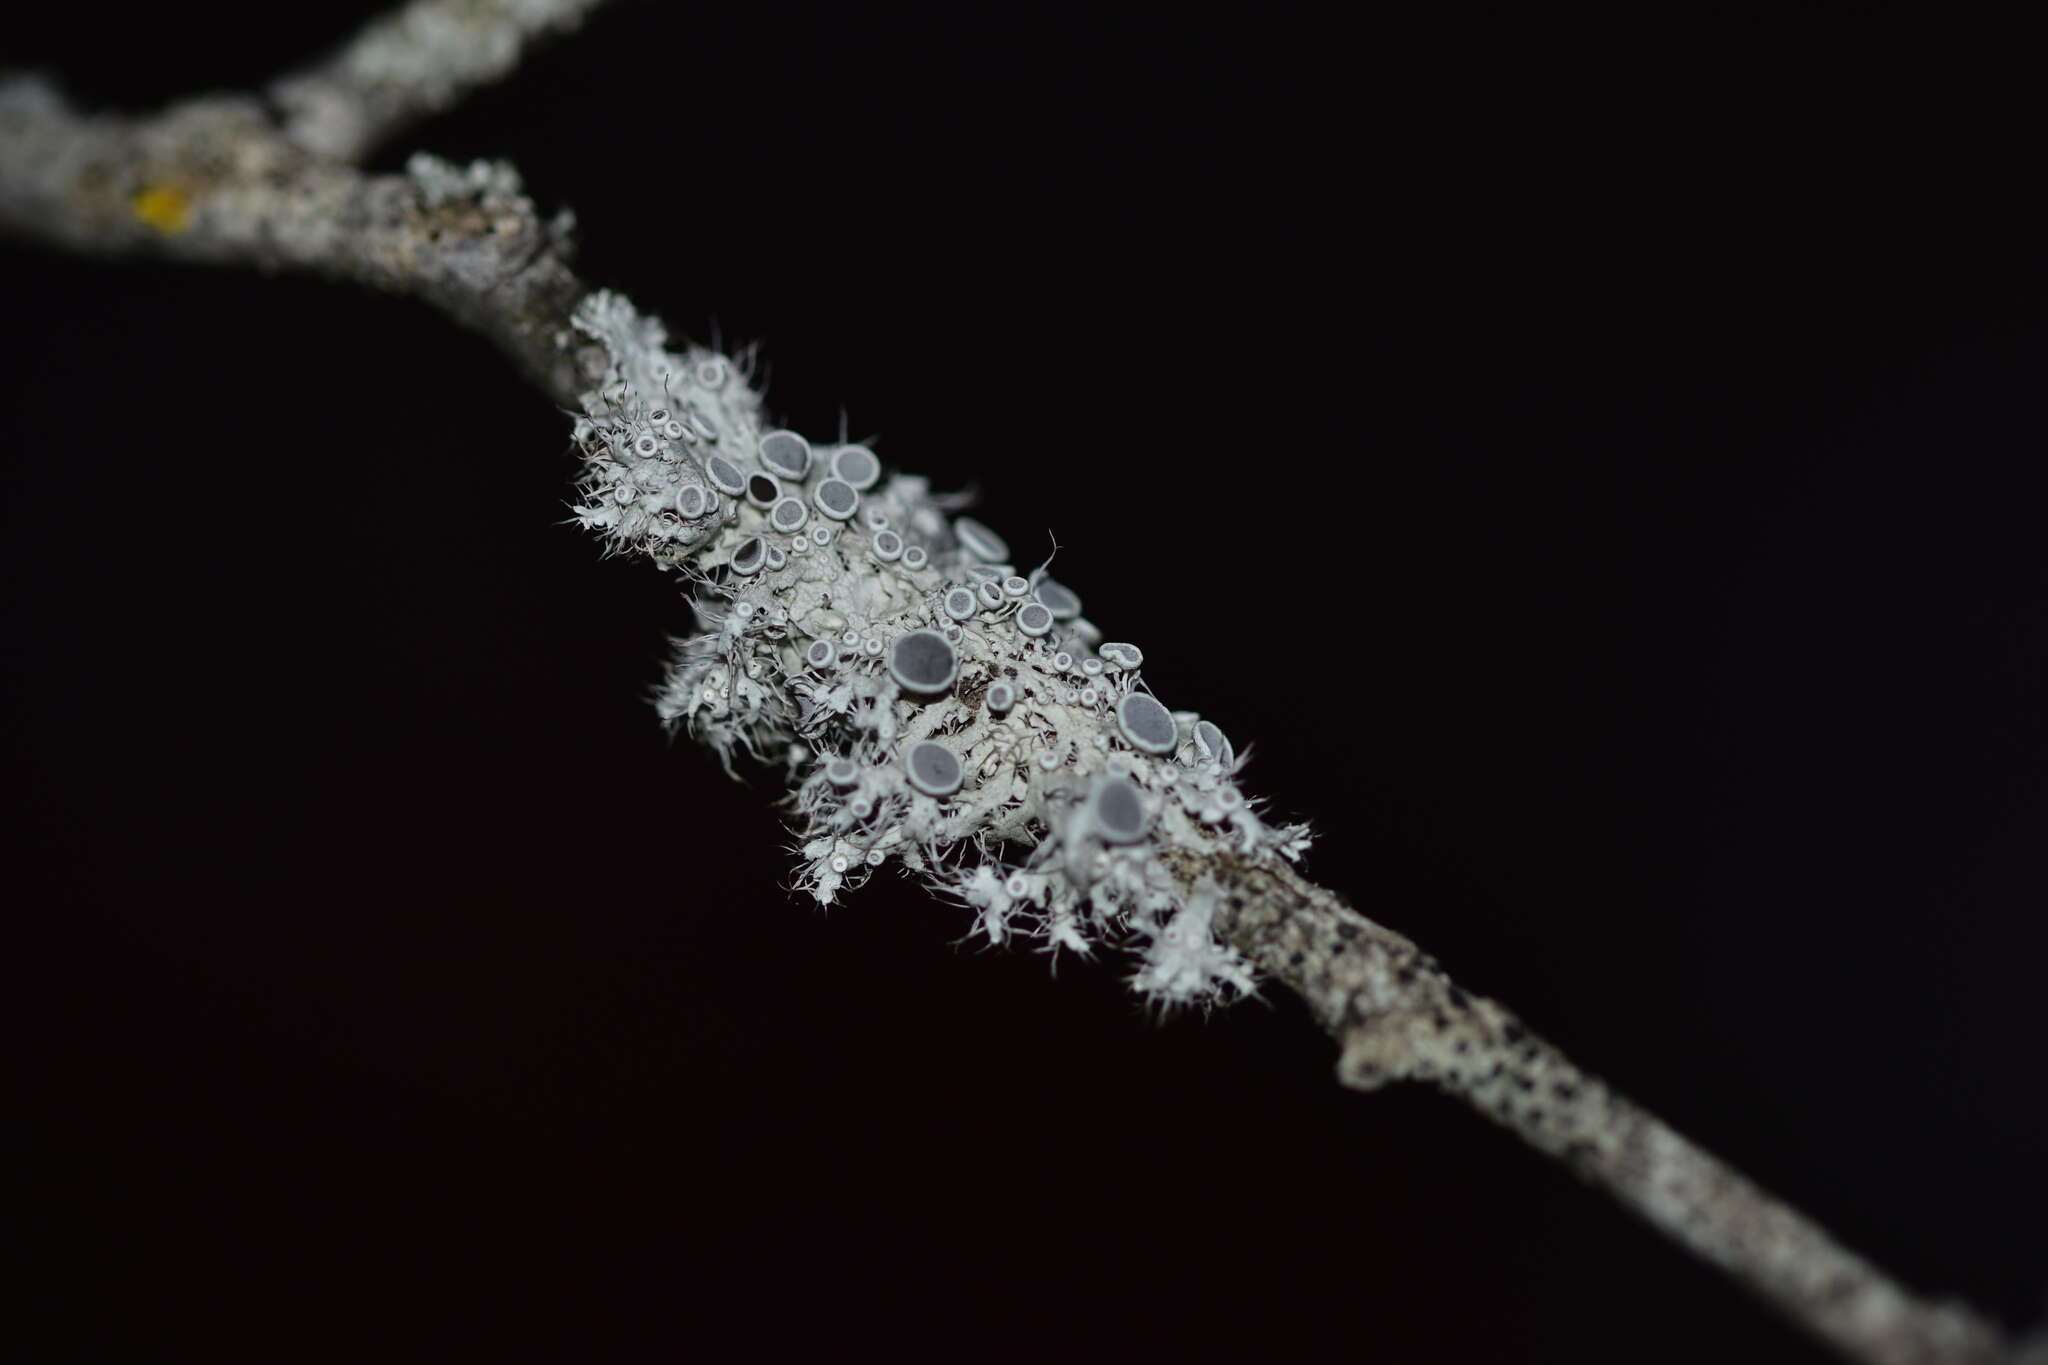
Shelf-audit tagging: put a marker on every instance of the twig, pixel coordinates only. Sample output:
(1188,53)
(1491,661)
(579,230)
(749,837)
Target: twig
(413,62)
(221,180)
(1397,1016)
(214,180)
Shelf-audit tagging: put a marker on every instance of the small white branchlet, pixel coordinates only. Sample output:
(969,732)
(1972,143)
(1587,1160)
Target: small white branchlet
(938,708)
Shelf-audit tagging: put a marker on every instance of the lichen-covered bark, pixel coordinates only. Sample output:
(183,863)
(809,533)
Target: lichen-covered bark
(221,181)
(213,181)
(418,60)
(1396,1015)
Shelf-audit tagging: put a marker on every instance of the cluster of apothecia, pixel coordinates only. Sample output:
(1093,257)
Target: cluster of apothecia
(936,707)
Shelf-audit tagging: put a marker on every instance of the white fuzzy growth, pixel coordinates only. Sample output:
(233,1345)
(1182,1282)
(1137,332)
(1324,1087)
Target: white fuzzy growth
(1018,843)
(1183,959)
(443,182)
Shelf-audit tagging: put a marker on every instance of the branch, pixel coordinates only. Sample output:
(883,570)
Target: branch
(221,181)
(214,180)
(1396,1015)
(412,63)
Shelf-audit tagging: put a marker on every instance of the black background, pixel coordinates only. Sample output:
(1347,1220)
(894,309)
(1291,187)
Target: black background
(1596,465)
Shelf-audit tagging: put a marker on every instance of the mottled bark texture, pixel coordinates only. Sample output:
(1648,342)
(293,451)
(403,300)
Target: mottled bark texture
(1396,1015)
(232,181)
(223,180)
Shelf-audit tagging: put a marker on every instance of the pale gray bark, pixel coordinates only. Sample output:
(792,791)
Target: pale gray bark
(1396,1015)
(222,180)
(413,62)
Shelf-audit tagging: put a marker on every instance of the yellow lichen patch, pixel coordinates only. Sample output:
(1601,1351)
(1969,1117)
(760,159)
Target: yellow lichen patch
(166,208)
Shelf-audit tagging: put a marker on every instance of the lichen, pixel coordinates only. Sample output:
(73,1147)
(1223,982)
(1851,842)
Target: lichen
(836,647)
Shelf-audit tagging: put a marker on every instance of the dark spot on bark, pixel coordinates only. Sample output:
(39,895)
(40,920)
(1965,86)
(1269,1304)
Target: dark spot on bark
(1535,1116)
(1459,998)
(1515,1032)
(1294,959)
(1347,932)
(1563,1091)
(1436,1017)
(1335,949)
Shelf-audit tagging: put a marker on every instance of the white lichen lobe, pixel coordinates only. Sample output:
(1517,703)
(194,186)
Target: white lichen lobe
(937,708)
